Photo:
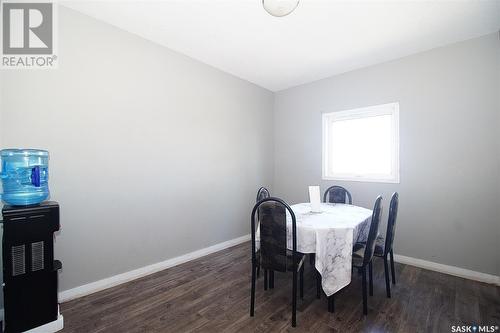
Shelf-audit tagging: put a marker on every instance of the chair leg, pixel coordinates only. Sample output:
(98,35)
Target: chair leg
(331,303)
(258,270)
(386,274)
(318,285)
(294,299)
(302,282)
(370,277)
(365,291)
(265,279)
(252,297)
(271,279)
(392,268)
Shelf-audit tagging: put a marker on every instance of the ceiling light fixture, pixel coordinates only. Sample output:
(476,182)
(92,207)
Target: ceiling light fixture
(280,8)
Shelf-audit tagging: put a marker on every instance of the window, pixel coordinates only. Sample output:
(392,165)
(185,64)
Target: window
(362,144)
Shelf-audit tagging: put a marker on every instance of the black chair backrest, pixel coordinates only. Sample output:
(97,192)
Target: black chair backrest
(373,233)
(337,194)
(262,193)
(391,222)
(273,234)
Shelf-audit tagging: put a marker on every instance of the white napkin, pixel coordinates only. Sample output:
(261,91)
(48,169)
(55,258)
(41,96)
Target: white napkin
(315,199)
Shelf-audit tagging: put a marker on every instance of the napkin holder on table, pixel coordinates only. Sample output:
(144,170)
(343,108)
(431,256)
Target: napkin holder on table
(315,199)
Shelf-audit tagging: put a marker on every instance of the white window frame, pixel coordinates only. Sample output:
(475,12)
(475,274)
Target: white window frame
(371,111)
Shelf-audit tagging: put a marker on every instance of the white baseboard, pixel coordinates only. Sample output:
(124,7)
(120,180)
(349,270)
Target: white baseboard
(112,281)
(451,270)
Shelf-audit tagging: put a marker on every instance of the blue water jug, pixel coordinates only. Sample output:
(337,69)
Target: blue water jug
(24,175)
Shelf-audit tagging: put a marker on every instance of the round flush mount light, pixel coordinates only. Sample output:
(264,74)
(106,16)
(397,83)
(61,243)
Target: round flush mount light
(280,8)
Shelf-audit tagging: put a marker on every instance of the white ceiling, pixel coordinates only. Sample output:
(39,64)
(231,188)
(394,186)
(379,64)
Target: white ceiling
(319,39)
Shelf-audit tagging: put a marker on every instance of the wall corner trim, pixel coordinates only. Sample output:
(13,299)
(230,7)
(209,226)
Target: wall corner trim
(446,269)
(115,280)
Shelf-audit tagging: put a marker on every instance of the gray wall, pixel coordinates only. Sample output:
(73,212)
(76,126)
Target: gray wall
(1,228)
(153,154)
(449,148)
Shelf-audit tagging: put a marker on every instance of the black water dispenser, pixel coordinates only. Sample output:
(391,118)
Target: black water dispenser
(29,269)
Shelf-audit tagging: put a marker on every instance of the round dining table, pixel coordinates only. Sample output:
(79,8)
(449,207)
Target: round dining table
(330,234)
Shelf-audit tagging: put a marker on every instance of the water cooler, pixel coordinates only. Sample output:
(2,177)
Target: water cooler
(30,272)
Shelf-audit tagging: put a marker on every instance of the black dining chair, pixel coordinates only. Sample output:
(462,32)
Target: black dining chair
(337,194)
(262,193)
(362,256)
(384,247)
(274,254)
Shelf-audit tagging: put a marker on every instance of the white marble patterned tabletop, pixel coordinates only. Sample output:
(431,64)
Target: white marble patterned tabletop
(330,234)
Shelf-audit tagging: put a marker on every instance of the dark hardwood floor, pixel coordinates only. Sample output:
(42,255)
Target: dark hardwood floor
(212,294)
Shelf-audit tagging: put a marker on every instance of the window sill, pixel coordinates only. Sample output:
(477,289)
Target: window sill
(363,179)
